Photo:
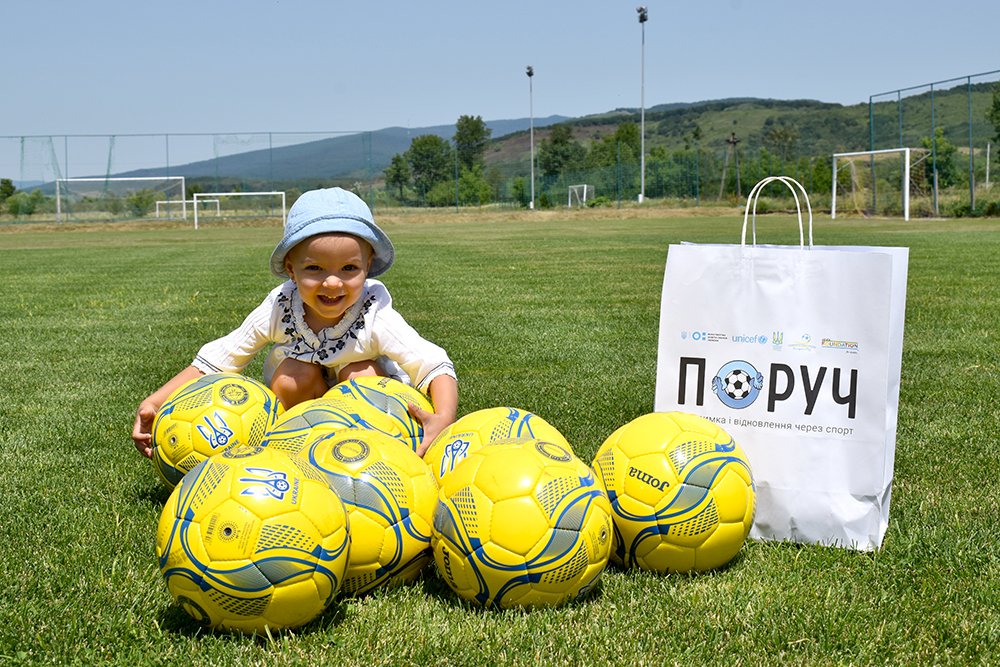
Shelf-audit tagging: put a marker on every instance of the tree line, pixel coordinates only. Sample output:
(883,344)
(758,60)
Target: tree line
(436,172)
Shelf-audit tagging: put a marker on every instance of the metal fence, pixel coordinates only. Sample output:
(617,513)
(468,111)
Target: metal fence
(949,119)
(936,117)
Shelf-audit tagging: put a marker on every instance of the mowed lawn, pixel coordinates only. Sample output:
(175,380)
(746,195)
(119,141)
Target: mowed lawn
(555,313)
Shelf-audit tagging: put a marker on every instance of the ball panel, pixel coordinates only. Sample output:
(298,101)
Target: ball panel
(733,494)
(512,519)
(720,547)
(290,604)
(510,472)
(660,556)
(502,575)
(230,531)
(451,447)
(457,570)
(649,478)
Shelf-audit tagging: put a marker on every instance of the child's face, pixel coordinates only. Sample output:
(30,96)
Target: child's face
(329,271)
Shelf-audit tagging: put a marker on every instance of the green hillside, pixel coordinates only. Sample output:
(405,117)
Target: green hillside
(790,129)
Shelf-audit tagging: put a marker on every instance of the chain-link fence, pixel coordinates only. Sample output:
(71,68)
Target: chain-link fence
(695,155)
(951,126)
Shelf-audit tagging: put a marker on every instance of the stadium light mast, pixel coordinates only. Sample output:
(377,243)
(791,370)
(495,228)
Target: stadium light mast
(530,71)
(643,17)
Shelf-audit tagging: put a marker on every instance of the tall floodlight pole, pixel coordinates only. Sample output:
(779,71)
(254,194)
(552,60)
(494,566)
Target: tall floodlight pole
(643,17)
(530,71)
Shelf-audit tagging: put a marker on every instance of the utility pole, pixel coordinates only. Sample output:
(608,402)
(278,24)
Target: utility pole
(530,71)
(731,148)
(643,17)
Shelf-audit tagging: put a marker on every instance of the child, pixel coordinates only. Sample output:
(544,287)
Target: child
(328,323)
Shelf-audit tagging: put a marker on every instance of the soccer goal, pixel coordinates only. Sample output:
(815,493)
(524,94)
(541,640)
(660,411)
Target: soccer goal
(116,198)
(579,195)
(164,206)
(878,182)
(245,204)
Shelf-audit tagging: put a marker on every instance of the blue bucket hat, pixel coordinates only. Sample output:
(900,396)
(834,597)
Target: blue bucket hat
(332,210)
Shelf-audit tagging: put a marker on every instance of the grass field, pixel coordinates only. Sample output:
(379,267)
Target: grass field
(552,313)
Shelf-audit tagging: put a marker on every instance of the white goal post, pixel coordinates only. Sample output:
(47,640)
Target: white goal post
(166,203)
(202,196)
(68,188)
(579,195)
(904,186)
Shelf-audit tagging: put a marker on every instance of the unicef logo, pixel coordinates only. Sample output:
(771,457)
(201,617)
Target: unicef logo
(737,384)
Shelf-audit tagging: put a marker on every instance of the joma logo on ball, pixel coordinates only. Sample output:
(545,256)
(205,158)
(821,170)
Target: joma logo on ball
(447,565)
(647,478)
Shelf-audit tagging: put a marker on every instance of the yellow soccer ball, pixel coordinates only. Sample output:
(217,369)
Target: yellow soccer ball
(298,426)
(383,403)
(253,539)
(521,523)
(484,427)
(681,490)
(204,416)
(389,494)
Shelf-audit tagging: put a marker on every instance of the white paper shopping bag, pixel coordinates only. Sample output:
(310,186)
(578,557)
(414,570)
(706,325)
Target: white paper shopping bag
(796,351)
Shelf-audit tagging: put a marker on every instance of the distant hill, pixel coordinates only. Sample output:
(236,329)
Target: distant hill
(789,129)
(337,157)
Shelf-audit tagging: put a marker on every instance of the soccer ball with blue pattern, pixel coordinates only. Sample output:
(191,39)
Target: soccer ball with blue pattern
(681,490)
(204,416)
(521,523)
(253,540)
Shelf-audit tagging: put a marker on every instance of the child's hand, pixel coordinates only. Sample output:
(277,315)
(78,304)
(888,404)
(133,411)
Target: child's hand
(142,430)
(433,424)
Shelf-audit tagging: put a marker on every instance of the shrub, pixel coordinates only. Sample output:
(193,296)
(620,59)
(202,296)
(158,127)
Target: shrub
(141,202)
(22,203)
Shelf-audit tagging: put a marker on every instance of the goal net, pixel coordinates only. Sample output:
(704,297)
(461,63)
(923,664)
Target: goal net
(579,195)
(87,199)
(241,205)
(881,182)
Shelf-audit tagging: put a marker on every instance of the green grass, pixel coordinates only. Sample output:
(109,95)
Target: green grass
(557,316)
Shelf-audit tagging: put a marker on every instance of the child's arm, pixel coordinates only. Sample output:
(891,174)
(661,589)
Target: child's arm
(444,394)
(142,430)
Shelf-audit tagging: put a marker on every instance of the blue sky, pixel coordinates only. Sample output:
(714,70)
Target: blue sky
(119,67)
(286,65)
